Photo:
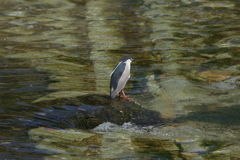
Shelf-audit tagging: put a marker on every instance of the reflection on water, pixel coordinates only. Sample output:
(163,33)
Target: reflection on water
(54,54)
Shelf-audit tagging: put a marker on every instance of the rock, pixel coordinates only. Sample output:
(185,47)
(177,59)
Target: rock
(89,111)
(215,75)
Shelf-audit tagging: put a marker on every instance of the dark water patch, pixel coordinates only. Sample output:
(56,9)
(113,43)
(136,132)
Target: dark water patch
(227,116)
(21,85)
(214,50)
(220,63)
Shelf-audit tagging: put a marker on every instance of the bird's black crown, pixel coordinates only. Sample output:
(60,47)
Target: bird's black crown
(124,59)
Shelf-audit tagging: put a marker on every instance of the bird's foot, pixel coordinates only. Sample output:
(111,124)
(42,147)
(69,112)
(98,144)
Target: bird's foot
(124,96)
(129,99)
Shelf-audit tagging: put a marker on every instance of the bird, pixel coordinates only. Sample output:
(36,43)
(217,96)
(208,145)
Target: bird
(119,77)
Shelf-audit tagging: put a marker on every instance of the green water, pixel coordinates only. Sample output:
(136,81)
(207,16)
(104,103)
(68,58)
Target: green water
(56,58)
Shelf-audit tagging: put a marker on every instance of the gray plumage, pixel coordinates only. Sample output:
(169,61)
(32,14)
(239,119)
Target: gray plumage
(120,76)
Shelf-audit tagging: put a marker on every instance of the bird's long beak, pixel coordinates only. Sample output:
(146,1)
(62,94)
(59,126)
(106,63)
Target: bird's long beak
(133,60)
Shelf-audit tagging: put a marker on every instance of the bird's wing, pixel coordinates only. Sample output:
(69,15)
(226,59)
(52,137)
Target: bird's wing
(116,75)
(116,67)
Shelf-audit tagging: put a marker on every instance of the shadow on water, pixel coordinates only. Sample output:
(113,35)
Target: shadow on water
(89,111)
(228,116)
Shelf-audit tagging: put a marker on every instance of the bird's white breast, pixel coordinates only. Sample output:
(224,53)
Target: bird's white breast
(128,67)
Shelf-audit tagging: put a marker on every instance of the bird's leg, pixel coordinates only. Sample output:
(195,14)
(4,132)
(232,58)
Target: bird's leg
(124,96)
(119,95)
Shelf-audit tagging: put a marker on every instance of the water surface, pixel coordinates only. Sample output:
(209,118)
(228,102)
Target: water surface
(56,57)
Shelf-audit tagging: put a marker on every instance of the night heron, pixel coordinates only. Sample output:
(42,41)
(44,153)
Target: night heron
(120,76)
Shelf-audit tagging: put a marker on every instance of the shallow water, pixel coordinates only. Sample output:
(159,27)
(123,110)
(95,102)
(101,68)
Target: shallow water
(56,57)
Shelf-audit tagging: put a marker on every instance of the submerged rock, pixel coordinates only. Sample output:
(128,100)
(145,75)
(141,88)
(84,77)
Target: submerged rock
(76,142)
(216,75)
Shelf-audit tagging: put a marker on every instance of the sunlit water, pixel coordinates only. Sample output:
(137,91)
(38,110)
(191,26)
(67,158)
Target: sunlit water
(56,58)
